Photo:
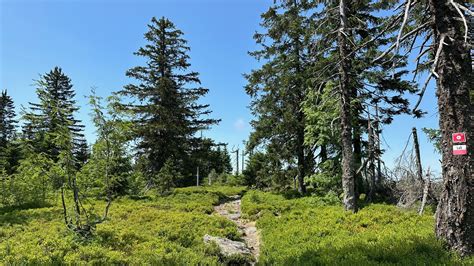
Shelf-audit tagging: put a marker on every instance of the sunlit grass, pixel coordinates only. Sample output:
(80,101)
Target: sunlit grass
(309,231)
(155,230)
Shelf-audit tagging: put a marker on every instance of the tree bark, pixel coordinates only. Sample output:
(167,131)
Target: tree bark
(348,172)
(301,157)
(426,192)
(357,143)
(371,159)
(419,169)
(455,213)
(378,151)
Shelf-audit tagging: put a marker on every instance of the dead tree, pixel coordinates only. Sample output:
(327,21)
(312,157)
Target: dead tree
(416,146)
(236,151)
(426,192)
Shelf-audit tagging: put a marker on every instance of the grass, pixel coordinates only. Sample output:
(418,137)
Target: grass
(312,231)
(155,230)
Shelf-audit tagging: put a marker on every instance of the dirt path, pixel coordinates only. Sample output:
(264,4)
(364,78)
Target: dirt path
(232,211)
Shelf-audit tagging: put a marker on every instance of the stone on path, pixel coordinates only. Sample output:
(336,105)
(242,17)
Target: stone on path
(229,247)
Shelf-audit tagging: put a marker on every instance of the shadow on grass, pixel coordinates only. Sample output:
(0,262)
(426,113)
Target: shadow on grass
(19,214)
(26,206)
(423,251)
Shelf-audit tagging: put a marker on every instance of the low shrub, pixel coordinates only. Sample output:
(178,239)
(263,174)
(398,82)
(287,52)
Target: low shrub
(154,230)
(315,231)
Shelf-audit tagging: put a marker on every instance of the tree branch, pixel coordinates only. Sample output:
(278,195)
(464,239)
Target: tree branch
(432,71)
(414,31)
(456,6)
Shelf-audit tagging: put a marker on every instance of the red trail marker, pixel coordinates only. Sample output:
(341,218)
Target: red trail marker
(459,137)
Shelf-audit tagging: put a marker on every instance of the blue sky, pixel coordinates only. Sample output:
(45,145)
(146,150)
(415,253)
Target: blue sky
(94,41)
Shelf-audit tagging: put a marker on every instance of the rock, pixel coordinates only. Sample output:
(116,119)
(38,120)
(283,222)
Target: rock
(229,247)
(234,216)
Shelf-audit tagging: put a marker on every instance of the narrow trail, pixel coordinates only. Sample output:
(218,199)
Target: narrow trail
(232,211)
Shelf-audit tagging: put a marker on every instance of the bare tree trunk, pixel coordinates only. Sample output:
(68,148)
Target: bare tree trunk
(323,154)
(301,159)
(356,141)
(243,160)
(455,214)
(237,162)
(419,169)
(107,180)
(77,203)
(348,172)
(378,151)
(371,158)
(426,192)
(63,201)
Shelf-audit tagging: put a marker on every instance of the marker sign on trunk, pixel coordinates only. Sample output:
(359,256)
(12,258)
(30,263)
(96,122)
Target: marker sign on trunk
(459,150)
(459,137)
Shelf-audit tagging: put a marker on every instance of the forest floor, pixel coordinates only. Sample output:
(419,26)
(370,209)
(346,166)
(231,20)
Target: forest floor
(170,230)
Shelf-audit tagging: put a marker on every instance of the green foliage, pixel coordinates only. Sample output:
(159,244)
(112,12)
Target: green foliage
(212,178)
(9,156)
(264,170)
(278,88)
(234,180)
(322,110)
(226,179)
(327,179)
(166,178)
(46,120)
(309,231)
(434,136)
(169,231)
(158,230)
(33,181)
(208,157)
(165,112)
(136,184)
(110,167)
(221,191)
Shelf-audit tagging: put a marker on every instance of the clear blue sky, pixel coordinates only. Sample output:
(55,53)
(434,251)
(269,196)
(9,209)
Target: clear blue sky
(94,41)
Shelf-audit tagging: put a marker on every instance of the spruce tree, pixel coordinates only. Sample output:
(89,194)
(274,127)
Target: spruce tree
(344,48)
(165,109)
(278,88)
(7,118)
(7,132)
(81,151)
(55,110)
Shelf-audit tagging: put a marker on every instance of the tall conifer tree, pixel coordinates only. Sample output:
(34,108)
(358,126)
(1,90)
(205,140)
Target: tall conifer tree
(7,131)
(166,111)
(278,87)
(55,110)
(344,46)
